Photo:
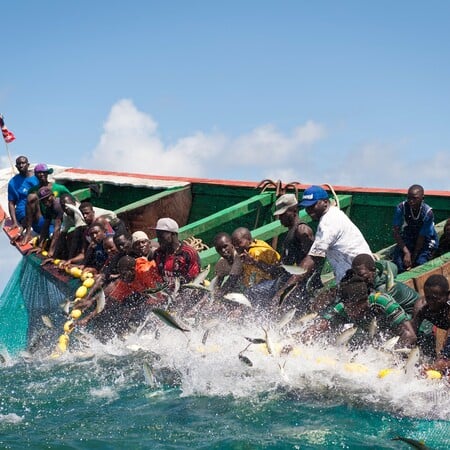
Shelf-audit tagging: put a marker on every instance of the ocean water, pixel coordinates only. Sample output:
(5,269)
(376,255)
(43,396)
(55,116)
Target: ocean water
(198,393)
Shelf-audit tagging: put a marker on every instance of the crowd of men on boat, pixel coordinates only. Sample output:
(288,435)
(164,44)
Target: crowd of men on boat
(137,273)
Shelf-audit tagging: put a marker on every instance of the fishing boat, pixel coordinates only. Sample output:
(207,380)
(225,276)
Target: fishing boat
(202,208)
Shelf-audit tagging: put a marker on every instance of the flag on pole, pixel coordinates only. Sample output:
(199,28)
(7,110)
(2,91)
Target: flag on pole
(8,136)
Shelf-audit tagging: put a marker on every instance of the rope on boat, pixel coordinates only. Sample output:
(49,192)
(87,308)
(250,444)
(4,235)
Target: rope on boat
(335,196)
(196,243)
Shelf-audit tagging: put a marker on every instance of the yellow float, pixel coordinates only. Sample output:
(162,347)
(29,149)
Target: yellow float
(81,292)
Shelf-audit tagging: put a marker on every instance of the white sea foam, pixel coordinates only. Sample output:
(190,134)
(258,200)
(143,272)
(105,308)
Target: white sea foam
(11,418)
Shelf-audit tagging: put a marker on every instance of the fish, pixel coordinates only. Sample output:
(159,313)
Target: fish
(245,360)
(176,287)
(148,375)
(201,277)
(142,325)
(256,340)
(293,270)
(390,343)
(2,359)
(346,335)
(373,328)
(389,278)
(286,293)
(307,318)
(412,361)
(47,321)
(412,442)
(208,327)
(66,306)
(286,318)
(238,298)
(100,304)
(168,319)
(269,344)
(205,337)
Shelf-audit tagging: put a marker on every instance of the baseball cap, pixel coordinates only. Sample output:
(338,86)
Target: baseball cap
(44,192)
(285,202)
(41,167)
(167,224)
(312,195)
(139,236)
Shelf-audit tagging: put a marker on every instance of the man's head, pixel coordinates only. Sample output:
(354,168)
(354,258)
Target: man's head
(22,165)
(140,243)
(42,171)
(315,201)
(97,232)
(66,199)
(167,233)
(286,208)
(363,266)
(46,196)
(123,242)
(87,210)
(224,246)
(241,239)
(437,293)
(354,294)
(447,228)
(126,268)
(415,196)
(109,246)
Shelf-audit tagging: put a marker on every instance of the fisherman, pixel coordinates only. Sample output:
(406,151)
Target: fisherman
(90,214)
(34,210)
(17,192)
(52,217)
(126,303)
(337,238)
(174,258)
(435,308)
(259,260)
(360,307)
(142,246)
(228,268)
(71,238)
(295,246)
(444,241)
(96,254)
(413,230)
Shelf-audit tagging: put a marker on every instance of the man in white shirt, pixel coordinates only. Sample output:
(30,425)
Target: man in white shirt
(337,238)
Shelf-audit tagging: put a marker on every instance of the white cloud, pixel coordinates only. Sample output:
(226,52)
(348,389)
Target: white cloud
(131,142)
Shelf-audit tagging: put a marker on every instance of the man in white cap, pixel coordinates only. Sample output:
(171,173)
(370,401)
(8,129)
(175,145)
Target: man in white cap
(142,246)
(174,258)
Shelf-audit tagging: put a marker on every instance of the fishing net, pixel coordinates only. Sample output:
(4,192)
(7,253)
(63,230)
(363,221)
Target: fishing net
(28,296)
(13,314)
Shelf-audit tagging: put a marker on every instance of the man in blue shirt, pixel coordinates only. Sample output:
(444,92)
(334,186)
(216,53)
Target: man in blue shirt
(18,191)
(413,230)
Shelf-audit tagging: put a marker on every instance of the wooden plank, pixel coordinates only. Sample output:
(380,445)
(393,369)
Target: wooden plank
(12,235)
(446,270)
(143,214)
(227,215)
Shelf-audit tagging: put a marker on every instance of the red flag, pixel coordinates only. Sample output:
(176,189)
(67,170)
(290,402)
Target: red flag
(8,136)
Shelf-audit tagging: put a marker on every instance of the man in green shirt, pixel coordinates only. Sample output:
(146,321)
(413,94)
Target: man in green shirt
(359,306)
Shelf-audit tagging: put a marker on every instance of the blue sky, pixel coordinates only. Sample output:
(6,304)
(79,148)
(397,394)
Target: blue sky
(344,92)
